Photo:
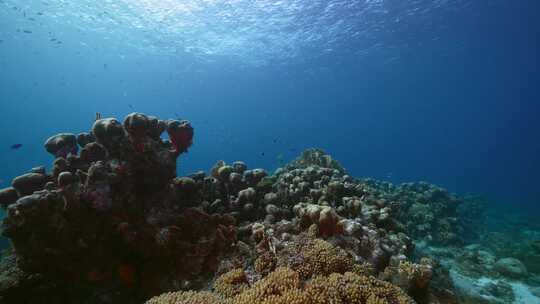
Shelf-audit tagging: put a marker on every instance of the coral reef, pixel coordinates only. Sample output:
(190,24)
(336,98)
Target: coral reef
(284,285)
(112,222)
(115,214)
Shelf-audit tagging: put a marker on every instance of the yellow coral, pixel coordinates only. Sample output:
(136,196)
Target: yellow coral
(231,283)
(265,263)
(313,231)
(365,269)
(319,257)
(418,275)
(276,285)
(188,297)
(283,286)
(329,276)
(373,299)
(353,288)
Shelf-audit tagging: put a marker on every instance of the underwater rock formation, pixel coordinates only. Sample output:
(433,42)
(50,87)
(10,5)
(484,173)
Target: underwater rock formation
(112,222)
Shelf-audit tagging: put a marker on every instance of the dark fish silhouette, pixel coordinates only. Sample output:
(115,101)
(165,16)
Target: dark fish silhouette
(130,106)
(16,146)
(27,31)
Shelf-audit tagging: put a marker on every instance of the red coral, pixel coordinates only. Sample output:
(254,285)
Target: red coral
(181,136)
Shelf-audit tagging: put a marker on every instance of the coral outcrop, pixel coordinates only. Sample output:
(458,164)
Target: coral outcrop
(115,214)
(112,222)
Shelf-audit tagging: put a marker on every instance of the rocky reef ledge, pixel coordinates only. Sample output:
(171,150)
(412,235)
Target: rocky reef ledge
(112,223)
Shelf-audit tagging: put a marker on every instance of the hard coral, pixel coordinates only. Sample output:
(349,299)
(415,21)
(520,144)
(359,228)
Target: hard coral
(103,215)
(61,145)
(353,288)
(231,283)
(180,134)
(265,263)
(285,286)
(189,297)
(325,217)
(315,257)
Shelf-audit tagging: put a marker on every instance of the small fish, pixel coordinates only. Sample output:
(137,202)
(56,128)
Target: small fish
(131,106)
(98,116)
(262,153)
(16,146)
(52,39)
(275,140)
(27,31)
(105,66)
(31,19)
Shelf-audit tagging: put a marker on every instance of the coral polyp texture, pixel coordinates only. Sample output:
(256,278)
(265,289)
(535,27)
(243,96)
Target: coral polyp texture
(284,285)
(113,223)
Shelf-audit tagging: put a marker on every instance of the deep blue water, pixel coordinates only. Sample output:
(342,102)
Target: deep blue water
(442,91)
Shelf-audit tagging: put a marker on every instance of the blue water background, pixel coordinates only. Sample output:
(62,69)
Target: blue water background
(442,91)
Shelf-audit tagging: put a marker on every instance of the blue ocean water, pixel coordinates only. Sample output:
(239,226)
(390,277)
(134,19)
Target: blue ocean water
(442,91)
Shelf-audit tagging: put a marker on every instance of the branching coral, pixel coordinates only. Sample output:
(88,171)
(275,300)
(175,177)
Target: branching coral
(189,297)
(265,263)
(284,286)
(316,257)
(353,288)
(231,283)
